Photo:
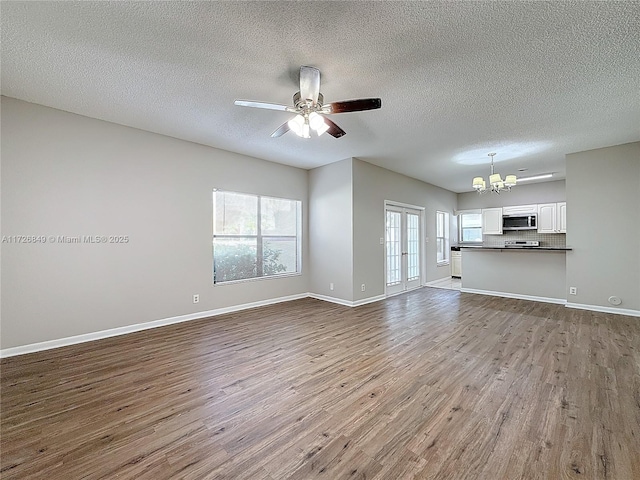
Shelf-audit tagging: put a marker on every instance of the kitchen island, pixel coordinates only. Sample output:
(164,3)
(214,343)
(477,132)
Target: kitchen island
(532,273)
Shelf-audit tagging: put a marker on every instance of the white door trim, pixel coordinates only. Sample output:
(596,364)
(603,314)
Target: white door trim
(403,207)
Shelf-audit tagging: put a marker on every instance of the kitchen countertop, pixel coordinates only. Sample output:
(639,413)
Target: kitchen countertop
(517,247)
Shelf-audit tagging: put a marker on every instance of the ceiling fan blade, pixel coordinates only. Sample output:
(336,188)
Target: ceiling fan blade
(309,83)
(268,106)
(355,105)
(282,129)
(334,130)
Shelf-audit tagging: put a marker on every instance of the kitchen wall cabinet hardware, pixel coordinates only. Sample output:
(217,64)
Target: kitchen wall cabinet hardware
(492,221)
(552,217)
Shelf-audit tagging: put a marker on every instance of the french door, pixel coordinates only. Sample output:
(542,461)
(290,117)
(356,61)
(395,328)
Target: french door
(402,248)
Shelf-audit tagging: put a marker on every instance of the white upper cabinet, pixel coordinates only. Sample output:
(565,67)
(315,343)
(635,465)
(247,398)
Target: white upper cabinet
(552,217)
(561,217)
(547,218)
(492,221)
(520,210)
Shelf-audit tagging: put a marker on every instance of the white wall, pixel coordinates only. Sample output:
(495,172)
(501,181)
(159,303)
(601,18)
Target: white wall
(64,174)
(331,230)
(523,194)
(372,185)
(346,206)
(603,225)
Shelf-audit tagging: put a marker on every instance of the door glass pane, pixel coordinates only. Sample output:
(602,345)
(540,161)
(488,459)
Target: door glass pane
(413,250)
(393,248)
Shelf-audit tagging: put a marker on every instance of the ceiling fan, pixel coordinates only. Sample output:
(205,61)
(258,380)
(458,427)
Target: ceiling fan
(310,109)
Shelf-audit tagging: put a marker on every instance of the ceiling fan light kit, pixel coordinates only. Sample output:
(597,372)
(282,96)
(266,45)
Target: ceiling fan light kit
(302,124)
(310,109)
(496,183)
(317,123)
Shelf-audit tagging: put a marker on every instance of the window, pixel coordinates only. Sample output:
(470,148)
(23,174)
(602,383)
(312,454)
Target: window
(442,237)
(470,227)
(254,236)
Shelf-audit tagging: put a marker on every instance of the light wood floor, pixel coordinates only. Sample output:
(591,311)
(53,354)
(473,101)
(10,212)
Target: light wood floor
(433,384)
(451,283)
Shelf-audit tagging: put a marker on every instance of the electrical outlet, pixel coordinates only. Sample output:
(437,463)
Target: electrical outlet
(196,298)
(331,286)
(363,287)
(381,241)
(573,290)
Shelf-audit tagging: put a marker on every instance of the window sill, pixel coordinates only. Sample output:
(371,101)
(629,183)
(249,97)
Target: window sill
(443,264)
(256,279)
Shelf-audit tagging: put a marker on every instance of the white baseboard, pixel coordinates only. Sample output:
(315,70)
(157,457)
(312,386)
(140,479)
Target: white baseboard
(89,337)
(560,301)
(347,303)
(326,298)
(112,332)
(598,308)
(364,301)
(404,291)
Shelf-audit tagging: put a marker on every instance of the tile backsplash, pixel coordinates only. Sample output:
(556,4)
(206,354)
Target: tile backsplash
(545,239)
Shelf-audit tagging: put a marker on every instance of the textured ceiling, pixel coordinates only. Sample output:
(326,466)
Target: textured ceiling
(531,81)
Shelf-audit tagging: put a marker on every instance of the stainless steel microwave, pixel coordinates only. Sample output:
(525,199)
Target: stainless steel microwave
(520,222)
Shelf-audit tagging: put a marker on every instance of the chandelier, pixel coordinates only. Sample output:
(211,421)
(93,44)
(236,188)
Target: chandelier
(495,181)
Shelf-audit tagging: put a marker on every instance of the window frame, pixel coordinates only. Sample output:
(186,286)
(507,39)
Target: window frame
(460,214)
(259,238)
(445,238)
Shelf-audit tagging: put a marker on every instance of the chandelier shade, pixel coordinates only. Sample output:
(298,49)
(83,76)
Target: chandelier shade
(479,182)
(496,182)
